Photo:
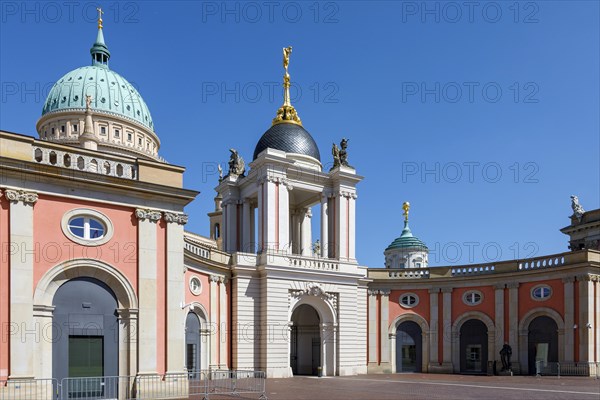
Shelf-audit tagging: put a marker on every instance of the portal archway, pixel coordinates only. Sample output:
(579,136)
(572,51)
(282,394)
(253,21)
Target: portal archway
(542,342)
(305,354)
(409,347)
(305,311)
(473,347)
(193,344)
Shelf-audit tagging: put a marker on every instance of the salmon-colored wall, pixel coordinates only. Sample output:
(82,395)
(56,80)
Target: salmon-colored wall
(555,302)
(4,287)
(422,309)
(204,296)
(161,302)
(54,247)
(487,306)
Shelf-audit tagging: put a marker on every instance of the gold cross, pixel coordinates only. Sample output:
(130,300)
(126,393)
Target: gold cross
(100,12)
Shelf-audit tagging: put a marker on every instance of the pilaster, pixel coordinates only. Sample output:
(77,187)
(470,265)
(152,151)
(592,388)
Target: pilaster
(501,336)
(214,298)
(569,300)
(373,318)
(222,323)
(384,324)
(513,324)
(586,318)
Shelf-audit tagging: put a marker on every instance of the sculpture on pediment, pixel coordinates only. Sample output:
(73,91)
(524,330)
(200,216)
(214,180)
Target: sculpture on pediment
(237,167)
(578,210)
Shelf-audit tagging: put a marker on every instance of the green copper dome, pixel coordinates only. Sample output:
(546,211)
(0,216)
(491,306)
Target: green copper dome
(111,93)
(407,240)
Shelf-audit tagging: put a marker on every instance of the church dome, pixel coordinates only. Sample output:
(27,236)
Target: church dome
(111,94)
(407,241)
(119,119)
(288,137)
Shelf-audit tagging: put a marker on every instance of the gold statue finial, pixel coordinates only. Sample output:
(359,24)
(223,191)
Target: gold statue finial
(406,207)
(100,12)
(287,112)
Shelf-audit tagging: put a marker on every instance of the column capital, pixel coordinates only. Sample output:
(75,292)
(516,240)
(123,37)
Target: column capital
(222,279)
(216,278)
(385,292)
(15,196)
(372,292)
(147,214)
(127,313)
(568,279)
(446,290)
(512,285)
(179,218)
(279,180)
(595,278)
(499,286)
(434,290)
(584,278)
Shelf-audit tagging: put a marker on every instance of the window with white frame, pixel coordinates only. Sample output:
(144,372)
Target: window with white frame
(541,292)
(409,300)
(195,285)
(472,297)
(87,226)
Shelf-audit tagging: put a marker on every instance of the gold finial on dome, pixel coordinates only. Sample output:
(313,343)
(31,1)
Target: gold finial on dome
(287,112)
(100,12)
(406,207)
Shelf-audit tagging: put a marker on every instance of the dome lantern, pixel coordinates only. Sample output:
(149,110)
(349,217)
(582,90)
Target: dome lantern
(99,51)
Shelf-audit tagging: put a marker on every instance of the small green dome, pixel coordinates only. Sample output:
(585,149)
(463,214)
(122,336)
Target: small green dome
(407,240)
(111,93)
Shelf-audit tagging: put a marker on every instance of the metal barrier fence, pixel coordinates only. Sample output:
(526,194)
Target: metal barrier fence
(236,382)
(29,389)
(568,369)
(191,385)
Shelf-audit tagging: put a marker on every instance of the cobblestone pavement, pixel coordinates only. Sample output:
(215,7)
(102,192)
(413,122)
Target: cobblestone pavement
(430,386)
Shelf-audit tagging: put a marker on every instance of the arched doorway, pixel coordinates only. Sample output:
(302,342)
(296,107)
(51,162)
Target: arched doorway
(542,342)
(192,343)
(305,345)
(409,347)
(86,336)
(473,347)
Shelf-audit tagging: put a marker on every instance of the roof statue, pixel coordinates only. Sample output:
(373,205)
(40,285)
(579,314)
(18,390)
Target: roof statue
(237,167)
(340,154)
(578,210)
(406,208)
(287,112)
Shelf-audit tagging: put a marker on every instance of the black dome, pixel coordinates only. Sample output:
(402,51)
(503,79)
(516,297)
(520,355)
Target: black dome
(288,137)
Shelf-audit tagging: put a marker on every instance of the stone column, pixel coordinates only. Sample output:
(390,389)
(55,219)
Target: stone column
(433,327)
(306,235)
(147,289)
(586,318)
(448,340)
(569,293)
(372,327)
(232,228)
(175,292)
(214,298)
(324,227)
(344,225)
(384,326)
(22,333)
(501,336)
(274,213)
(127,319)
(247,227)
(352,226)
(42,318)
(513,325)
(392,340)
(222,323)
(596,279)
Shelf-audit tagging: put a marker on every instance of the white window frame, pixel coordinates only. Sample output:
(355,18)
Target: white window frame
(469,294)
(195,291)
(533,289)
(406,295)
(87,214)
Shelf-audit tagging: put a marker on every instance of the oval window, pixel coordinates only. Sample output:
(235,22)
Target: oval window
(87,227)
(541,292)
(409,300)
(195,285)
(472,298)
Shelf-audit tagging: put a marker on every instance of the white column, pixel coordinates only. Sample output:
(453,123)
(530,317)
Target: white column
(214,297)
(569,293)
(433,327)
(231,221)
(147,288)
(340,226)
(324,227)
(352,226)
(22,255)
(306,233)
(501,336)
(372,326)
(586,317)
(596,279)
(247,228)
(127,319)
(284,217)
(513,324)
(42,318)
(222,324)
(175,292)
(384,325)
(447,315)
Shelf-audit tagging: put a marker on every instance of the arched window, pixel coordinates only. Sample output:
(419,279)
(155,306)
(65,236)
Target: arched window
(409,300)
(217,233)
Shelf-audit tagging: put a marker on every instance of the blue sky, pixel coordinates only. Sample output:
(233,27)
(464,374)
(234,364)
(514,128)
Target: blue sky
(484,115)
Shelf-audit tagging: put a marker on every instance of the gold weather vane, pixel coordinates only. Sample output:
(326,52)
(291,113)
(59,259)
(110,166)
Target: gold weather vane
(287,112)
(100,12)
(406,207)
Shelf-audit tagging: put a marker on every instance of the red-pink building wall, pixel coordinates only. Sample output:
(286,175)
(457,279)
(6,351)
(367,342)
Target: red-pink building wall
(487,306)
(54,247)
(555,302)
(421,309)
